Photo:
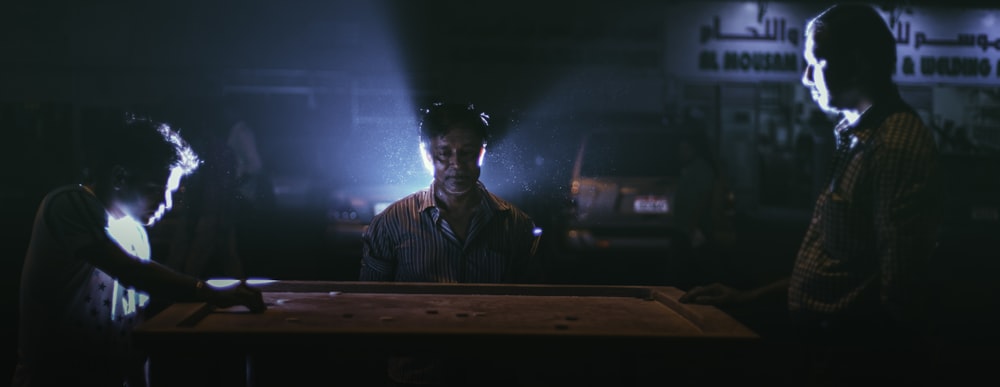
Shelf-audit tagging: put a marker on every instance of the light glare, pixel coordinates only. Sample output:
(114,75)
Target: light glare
(131,236)
(228,282)
(173,183)
(187,162)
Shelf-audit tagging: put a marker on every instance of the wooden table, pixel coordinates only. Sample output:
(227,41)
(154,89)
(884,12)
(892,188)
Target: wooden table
(313,329)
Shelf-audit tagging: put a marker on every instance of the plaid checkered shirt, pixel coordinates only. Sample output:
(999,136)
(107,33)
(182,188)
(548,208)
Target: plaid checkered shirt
(866,253)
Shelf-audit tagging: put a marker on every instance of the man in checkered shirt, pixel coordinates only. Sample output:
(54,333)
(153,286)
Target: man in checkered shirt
(859,282)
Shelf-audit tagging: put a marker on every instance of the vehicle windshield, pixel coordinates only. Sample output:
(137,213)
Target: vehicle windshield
(629,154)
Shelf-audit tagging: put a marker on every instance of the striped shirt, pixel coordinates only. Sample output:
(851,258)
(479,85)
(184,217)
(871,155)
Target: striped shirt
(866,253)
(411,242)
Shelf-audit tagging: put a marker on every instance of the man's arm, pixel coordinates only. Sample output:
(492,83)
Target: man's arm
(532,268)
(78,221)
(905,216)
(378,261)
(161,281)
(719,294)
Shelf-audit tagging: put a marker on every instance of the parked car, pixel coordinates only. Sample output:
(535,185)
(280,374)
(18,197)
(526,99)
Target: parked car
(623,192)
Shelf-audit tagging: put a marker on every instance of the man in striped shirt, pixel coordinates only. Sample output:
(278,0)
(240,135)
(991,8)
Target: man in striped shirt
(860,279)
(453,232)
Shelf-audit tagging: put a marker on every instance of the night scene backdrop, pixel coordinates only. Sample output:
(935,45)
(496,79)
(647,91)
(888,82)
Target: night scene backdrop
(331,90)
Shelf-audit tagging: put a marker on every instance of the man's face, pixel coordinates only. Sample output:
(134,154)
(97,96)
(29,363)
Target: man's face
(828,88)
(142,195)
(456,158)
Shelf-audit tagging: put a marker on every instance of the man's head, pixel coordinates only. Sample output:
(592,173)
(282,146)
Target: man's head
(136,166)
(453,140)
(850,56)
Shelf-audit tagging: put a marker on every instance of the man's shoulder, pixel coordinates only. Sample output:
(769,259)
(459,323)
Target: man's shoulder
(502,205)
(64,190)
(905,129)
(406,207)
(905,119)
(73,198)
(73,211)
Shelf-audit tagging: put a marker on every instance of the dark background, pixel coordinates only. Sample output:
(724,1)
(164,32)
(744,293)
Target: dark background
(331,88)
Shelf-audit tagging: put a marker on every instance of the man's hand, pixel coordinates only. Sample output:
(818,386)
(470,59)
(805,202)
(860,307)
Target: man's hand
(237,295)
(714,294)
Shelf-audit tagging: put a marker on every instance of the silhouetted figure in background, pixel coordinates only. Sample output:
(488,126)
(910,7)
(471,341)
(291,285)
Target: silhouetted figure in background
(88,261)
(253,185)
(858,291)
(693,200)
(695,210)
(204,242)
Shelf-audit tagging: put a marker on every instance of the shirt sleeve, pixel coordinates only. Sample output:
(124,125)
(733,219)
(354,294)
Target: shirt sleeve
(529,268)
(378,259)
(76,220)
(79,222)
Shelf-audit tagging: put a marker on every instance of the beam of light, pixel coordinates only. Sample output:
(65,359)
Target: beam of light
(537,231)
(377,150)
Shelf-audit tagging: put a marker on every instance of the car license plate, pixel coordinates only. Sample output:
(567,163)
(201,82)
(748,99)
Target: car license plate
(650,205)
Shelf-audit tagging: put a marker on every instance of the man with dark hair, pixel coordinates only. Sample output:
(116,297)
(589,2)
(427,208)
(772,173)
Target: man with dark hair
(88,262)
(454,232)
(859,282)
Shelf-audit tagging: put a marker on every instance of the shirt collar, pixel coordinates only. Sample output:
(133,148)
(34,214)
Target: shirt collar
(873,117)
(426,200)
(859,131)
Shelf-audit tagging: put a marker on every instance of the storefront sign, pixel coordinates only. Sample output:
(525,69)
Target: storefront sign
(756,41)
(948,46)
